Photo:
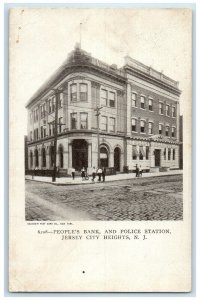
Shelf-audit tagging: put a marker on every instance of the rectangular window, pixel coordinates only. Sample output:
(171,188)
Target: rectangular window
(60,100)
(169,154)
(31,135)
(150,104)
(142,100)
(167,130)
(147,152)
(50,129)
(133,125)
(41,132)
(83,91)
(173,111)
(104,123)
(150,128)
(43,110)
(36,115)
(45,132)
(134,99)
(104,97)
(74,121)
(83,120)
(134,153)
(60,124)
(112,99)
(174,154)
(142,126)
(160,128)
(112,124)
(161,108)
(173,131)
(36,134)
(167,110)
(141,153)
(165,154)
(50,106)
(73,89)
(53,104)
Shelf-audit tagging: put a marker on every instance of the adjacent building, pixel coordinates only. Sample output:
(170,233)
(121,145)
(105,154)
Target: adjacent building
(138,122)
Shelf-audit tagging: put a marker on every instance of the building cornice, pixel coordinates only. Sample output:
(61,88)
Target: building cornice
(147,77)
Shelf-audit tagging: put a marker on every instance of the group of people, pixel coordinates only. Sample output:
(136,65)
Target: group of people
(100,172)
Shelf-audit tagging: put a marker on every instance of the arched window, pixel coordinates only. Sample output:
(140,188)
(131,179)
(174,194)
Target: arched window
(36,158)
(43,157)
(31,159)
(60,152)
(51,152)
(103,156)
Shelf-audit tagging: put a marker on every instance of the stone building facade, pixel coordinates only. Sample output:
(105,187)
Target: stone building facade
(139,118)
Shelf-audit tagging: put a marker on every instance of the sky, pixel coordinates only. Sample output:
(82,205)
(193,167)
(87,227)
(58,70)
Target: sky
(41,39)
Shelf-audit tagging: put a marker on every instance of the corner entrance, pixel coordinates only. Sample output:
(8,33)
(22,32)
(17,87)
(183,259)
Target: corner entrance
(79,154)
(157,157)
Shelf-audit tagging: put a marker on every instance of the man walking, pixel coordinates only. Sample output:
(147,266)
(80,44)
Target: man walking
(99,173)
(137,171)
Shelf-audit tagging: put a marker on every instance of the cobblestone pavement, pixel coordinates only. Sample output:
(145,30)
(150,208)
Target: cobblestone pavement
(157,198)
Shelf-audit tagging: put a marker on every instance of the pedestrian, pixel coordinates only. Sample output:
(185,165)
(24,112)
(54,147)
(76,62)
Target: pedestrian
(83,173)
(104,174)
(99,173)
(93,173)
(137,171)
(73,173)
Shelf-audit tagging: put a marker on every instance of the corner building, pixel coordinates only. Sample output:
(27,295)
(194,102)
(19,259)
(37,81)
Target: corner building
(138,122)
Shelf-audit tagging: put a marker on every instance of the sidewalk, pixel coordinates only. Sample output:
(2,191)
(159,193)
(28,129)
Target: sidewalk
(110,178)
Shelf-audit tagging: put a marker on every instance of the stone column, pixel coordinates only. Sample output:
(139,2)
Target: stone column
(111,160)
(121,161)
(89,155)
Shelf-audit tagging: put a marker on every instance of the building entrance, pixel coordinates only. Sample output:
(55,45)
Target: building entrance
(157,157)
(117,159)
(104,157)
(79,154)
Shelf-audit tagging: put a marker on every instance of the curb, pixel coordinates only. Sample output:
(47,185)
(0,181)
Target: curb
(86,183)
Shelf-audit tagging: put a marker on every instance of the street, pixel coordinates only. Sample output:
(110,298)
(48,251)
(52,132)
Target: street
(152,198)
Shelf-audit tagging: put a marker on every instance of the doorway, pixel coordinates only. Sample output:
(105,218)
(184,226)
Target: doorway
(79,154)
(104,157)
(157,157)
(117,153)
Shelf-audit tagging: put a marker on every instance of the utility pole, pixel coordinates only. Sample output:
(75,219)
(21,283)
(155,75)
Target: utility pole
(80,34)
(57,93)
(98,137)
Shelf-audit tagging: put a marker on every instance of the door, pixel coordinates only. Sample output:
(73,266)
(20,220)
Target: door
(79,154)
(117,159)
(157,157)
